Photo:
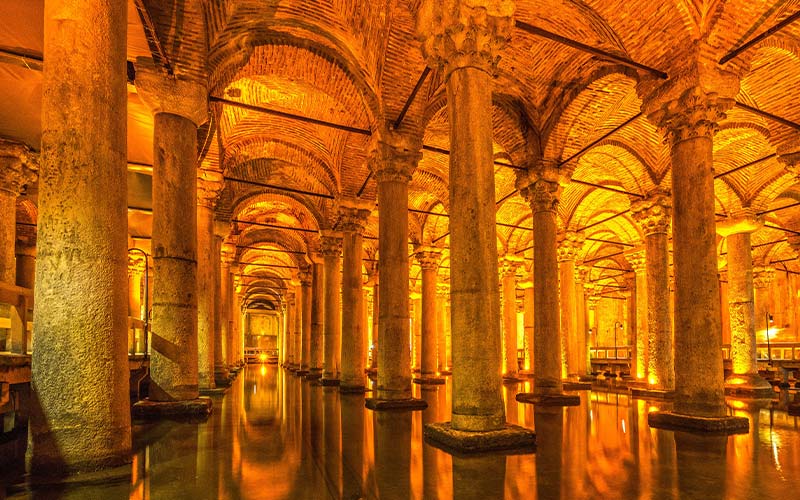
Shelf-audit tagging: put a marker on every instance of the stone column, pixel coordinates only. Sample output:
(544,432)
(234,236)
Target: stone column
(744,378)
(353,215)
(79,372)
(136,273)
(221,375)
(297,335)
(209,185)
(236,318)
(416,313)
(26,264)
(375,314)
(689,117)
(393,158)
(302,348)
(179,107)
(508,268)
(289,332)
(653,215)
(580,320)
(17,170)
(227,254)
(640,356)
(317,317)
(428,258)
(331,249)
(568,248)
(527,304)
(763,276)
(442,294)
(467,64)
(540,187)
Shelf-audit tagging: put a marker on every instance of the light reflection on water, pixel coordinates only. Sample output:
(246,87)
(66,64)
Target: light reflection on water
(274,436)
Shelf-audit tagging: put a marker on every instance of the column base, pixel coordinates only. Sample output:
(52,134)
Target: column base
(690,423)
(576,386)
(409,404)
(328,381)
(512,439)
(554,399)
(301,373)
(511,378)
(353,389)
(445,372)
(217,391)
(749,385)
(312,375)
(193,408)
(428,380)
(651,393)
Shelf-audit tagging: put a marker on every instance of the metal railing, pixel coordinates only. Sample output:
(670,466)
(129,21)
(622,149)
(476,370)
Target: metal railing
(621,352)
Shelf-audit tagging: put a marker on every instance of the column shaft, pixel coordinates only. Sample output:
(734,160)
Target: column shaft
(220,366)
(305,348)
(317,318)
(205,296)
(474,287)
(333,317)
(8,235)
(510,324)
(661,370)
(547,339)
(566,272)
(429,366)
(81,419)
(353,334)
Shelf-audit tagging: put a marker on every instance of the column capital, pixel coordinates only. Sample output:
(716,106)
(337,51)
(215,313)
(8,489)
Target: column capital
(464,33)
(209,186)
(304,277)
(653,213)
(393,157)
(136,264)
(637,260)
(509,264)
(794,242)
(541,184)
(569,244)
(353,214)
(428,257)
(19,166)
(763,276)
(790,156)
(228,254)
(164,93)
(742,221)
(443,290)
(581,272)
(222,229)
(330,243)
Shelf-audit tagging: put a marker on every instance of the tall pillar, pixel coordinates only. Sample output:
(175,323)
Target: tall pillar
(763,276)
(227,254)
(392,160)
(468,63)
(81,419)
(236,318)
(540,187)
(689,117)
(179,107)
(653,215)
(580,320)
(375,313)
(428,258)
(353,216)
(209,185)
(317,317)
(416,331)
(508,268)
(17,170)
(568,248)
(331,249)
(221,374)
(527,305)
(290,316)
(640,356)
(442,294)
(26,264)
(744,378)
(302,348)
(297,333)
(136,273)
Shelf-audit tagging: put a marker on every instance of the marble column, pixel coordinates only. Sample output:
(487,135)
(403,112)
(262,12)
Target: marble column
(18,166)
(227,255)
(653,216)
(26,264)
(302,348)
(209,185)
(81,419)
(580,320)
(763,276)
(221,375)
(393,158)
(540,187)
(466,67)
(744,378)
(428,259)
(179,107)
(296,337)
(640,356)
(442,294)
(689,116)
(416,314)
(527,305)
(375,314)
(136,273)
(331,249)
(290,315)
(317,316)
(353,215)
(508,268)
(568,247)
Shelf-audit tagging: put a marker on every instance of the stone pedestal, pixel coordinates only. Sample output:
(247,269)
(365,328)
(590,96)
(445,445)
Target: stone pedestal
(744,379)
(331,249)
(79,373)
(353,216)
(393,158)
(428,259)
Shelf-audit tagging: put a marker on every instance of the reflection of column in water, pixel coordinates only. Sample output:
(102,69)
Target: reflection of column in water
(549,425)
(640,444)
(742,470)
(576,443)
(701,465)
(305,431)
(392,454)
(479,477)
(173,451)
(332,434)
(512,412)
(352,418)
(429,453)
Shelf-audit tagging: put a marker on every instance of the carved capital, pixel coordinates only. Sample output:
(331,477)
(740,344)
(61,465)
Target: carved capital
(695,113)
(580,274)
(164,93)
(745,220)
(330,243)
(305,277)
(570,243)
(393,157)
(19,167)
(653,213)
(222,229)
(353,214)
(428,257)
(541,185)
(763,276)
(464,33)
(136,264)
(509,265)
(209,186)
(636,259)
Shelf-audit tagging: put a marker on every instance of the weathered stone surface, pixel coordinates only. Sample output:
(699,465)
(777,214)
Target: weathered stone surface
(692,423)
(548,399)
(408,404)
(198,407)
(511,438)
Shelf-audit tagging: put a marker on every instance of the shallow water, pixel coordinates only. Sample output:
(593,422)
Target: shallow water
(274,436)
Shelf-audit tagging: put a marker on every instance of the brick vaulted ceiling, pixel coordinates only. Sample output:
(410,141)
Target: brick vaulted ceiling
(355,63)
